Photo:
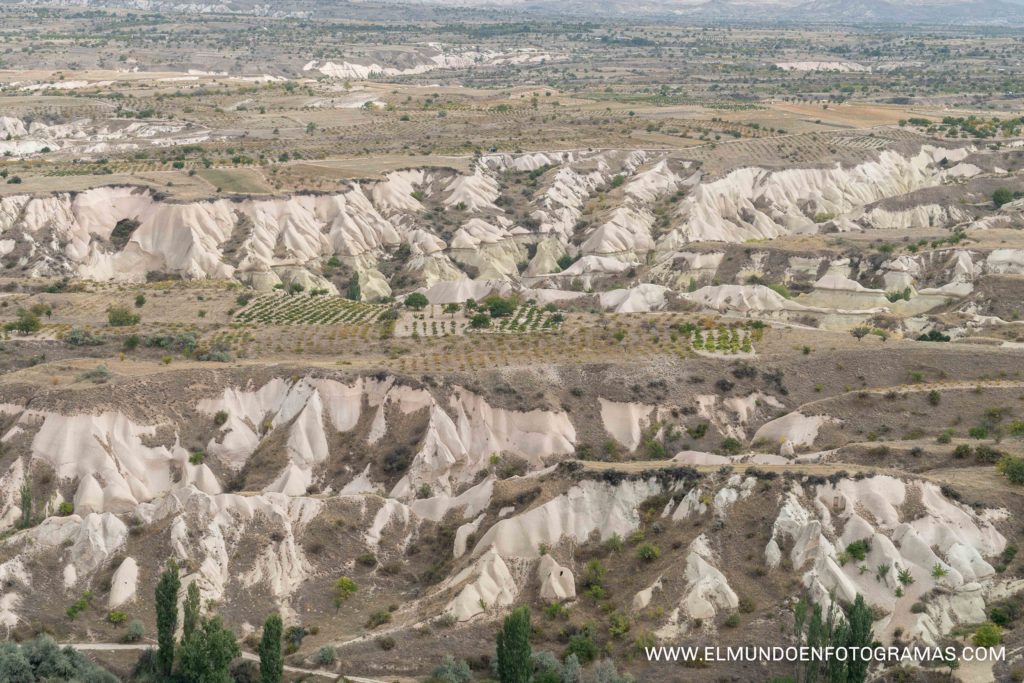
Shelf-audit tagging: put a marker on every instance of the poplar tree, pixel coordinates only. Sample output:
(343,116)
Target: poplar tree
(271,662)
(515,660)
(167,616)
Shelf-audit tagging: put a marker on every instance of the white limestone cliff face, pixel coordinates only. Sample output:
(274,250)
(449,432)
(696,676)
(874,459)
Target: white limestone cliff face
(944,546)
(460,437)
(487,584)
(434,57)
(124,583)
(556,582)
(754,203)
(587,507)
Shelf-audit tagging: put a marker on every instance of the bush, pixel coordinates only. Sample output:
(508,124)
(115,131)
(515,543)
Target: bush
(648,552)
(480,321)
(79,606)
(326,656)
(593,574)
(79,337)
(220,418)
(97,375)
(979,432)
(65,508)
(962,451)
(1012,468)
(120,316)
(451,670)
(1002,195)
(416,301)
(378,618)
(733,620)
(117,618)
(344,587)
(987,454)
(42,659)
(859,550)
(582,646)
(987,635)
(499,307)
(731,445)
(136,630)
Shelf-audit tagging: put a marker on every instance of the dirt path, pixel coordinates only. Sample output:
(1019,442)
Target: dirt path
(979,478)
(113,647)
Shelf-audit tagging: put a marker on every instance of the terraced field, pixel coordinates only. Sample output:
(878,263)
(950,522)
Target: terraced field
(287,309)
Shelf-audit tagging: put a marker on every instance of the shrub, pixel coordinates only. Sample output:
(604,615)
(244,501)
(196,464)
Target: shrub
(97,375)
(859,550)
(1002,195)
(499,307)
(65,508)
(117,618)
(480,321)
(904,577)
(733,620)
(120,316)
(731,445)
(987,635)
(79,606)
(979,432)
(593,574)
(962,451)
(583,646)
(987,454)
(220,418)
(618,624)
(648,552)
(344,587)
(79,337)
(416,301)
(326,656)
(378,618)
(451,670)
(135,631)
(1012,468)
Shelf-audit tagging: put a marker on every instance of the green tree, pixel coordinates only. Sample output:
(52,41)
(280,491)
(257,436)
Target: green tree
(26,505)
(416,301)
(851,629)
(190,620)
(354,292)
(271,662)
(515,663)
(1001,196)
(27,322)
(344,587)
(500,307)
(860,332)
(206,655)
(167,616)
(987,635)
